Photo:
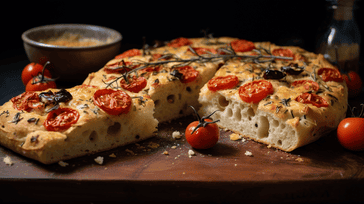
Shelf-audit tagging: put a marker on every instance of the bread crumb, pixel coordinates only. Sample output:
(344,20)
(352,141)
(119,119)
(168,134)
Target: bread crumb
(153,145)
(99,160)
(174,147)
(130,152)
(269,146)
(63,164)
(112,155)
(191,153)
(299,159)
(7,160)
(166,153)
(235,137)
(247,153)
(176,135)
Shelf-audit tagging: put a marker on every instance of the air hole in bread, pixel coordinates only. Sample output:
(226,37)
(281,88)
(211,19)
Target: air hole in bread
(93,136)
(170,98)
(181,112)
(179,96)
(250,113)
(137,137)
(263,127)
(275,123)
(188,89)
(114,129)
(237,115)
(279,142)
(223,102)
(229,112)
(156,103)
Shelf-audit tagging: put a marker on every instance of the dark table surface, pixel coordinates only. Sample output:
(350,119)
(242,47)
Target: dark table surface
(322,172)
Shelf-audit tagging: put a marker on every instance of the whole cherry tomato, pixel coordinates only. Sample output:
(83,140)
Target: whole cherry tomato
(39,83)
(354,83)
(129,53)
(222,82)
(27,101)
(61,119)
(330,74)
(283,52)
(311,98)
(350,133)
(202,134)
(134,84)
(32,70)
(242,45)
(113,102)
(255,91)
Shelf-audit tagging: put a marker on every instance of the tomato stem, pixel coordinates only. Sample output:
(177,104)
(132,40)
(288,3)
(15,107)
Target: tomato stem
(201,121)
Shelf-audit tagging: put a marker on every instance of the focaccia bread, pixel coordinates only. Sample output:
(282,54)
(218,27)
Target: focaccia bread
(171,75)
(56,125)
(282,102)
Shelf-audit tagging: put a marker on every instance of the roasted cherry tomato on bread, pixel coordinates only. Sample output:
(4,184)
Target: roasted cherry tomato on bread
(350,132)
(129,53)
(179,42)
(330,74)
(311,98)
(203,50)
(241,45)
(188,74)
(32,70)
(61,119)
(134,84)
(354,83)
(119,67)
(255,91)
(283,52)
(202,134)
(113,102)
(307,84)
(222,82)
(27,101)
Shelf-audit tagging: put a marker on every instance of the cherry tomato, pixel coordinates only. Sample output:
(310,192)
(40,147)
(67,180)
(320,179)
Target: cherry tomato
(179,42)
(241,45)
(27,101)
(129,53)
(310,98)
(203,137)
(350,133)
(283,52)
(189,74)
(119,67)
(113,102)
(307,84)
(40,83)
(203,50)
(222,82)
(354,83)
(32,70)
(255,91)
(61,119)
(330,74)
(134,84)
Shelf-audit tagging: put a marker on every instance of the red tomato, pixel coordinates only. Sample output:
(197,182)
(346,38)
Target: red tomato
(32,70)
(330,74)
(134,84)
(354,83)
(350,133)
(129,53)
(204,137)
(307,84)
(40,84)
(27,101)
(283,52)
(222,82)
(310,98)
(189,74)
(241,45)
(113,102)
(255,91)
(179,42)
(203,50)
(61,119)
(119,67)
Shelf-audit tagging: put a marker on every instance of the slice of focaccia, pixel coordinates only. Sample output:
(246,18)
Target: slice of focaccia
(285,102)
(56,125)
(171,76)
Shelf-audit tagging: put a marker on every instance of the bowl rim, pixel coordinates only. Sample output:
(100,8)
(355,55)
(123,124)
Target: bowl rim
(27,40)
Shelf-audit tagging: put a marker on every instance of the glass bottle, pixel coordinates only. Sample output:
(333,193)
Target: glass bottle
(340,44)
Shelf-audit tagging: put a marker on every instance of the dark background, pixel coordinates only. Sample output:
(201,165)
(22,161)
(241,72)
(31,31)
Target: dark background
(284,22)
